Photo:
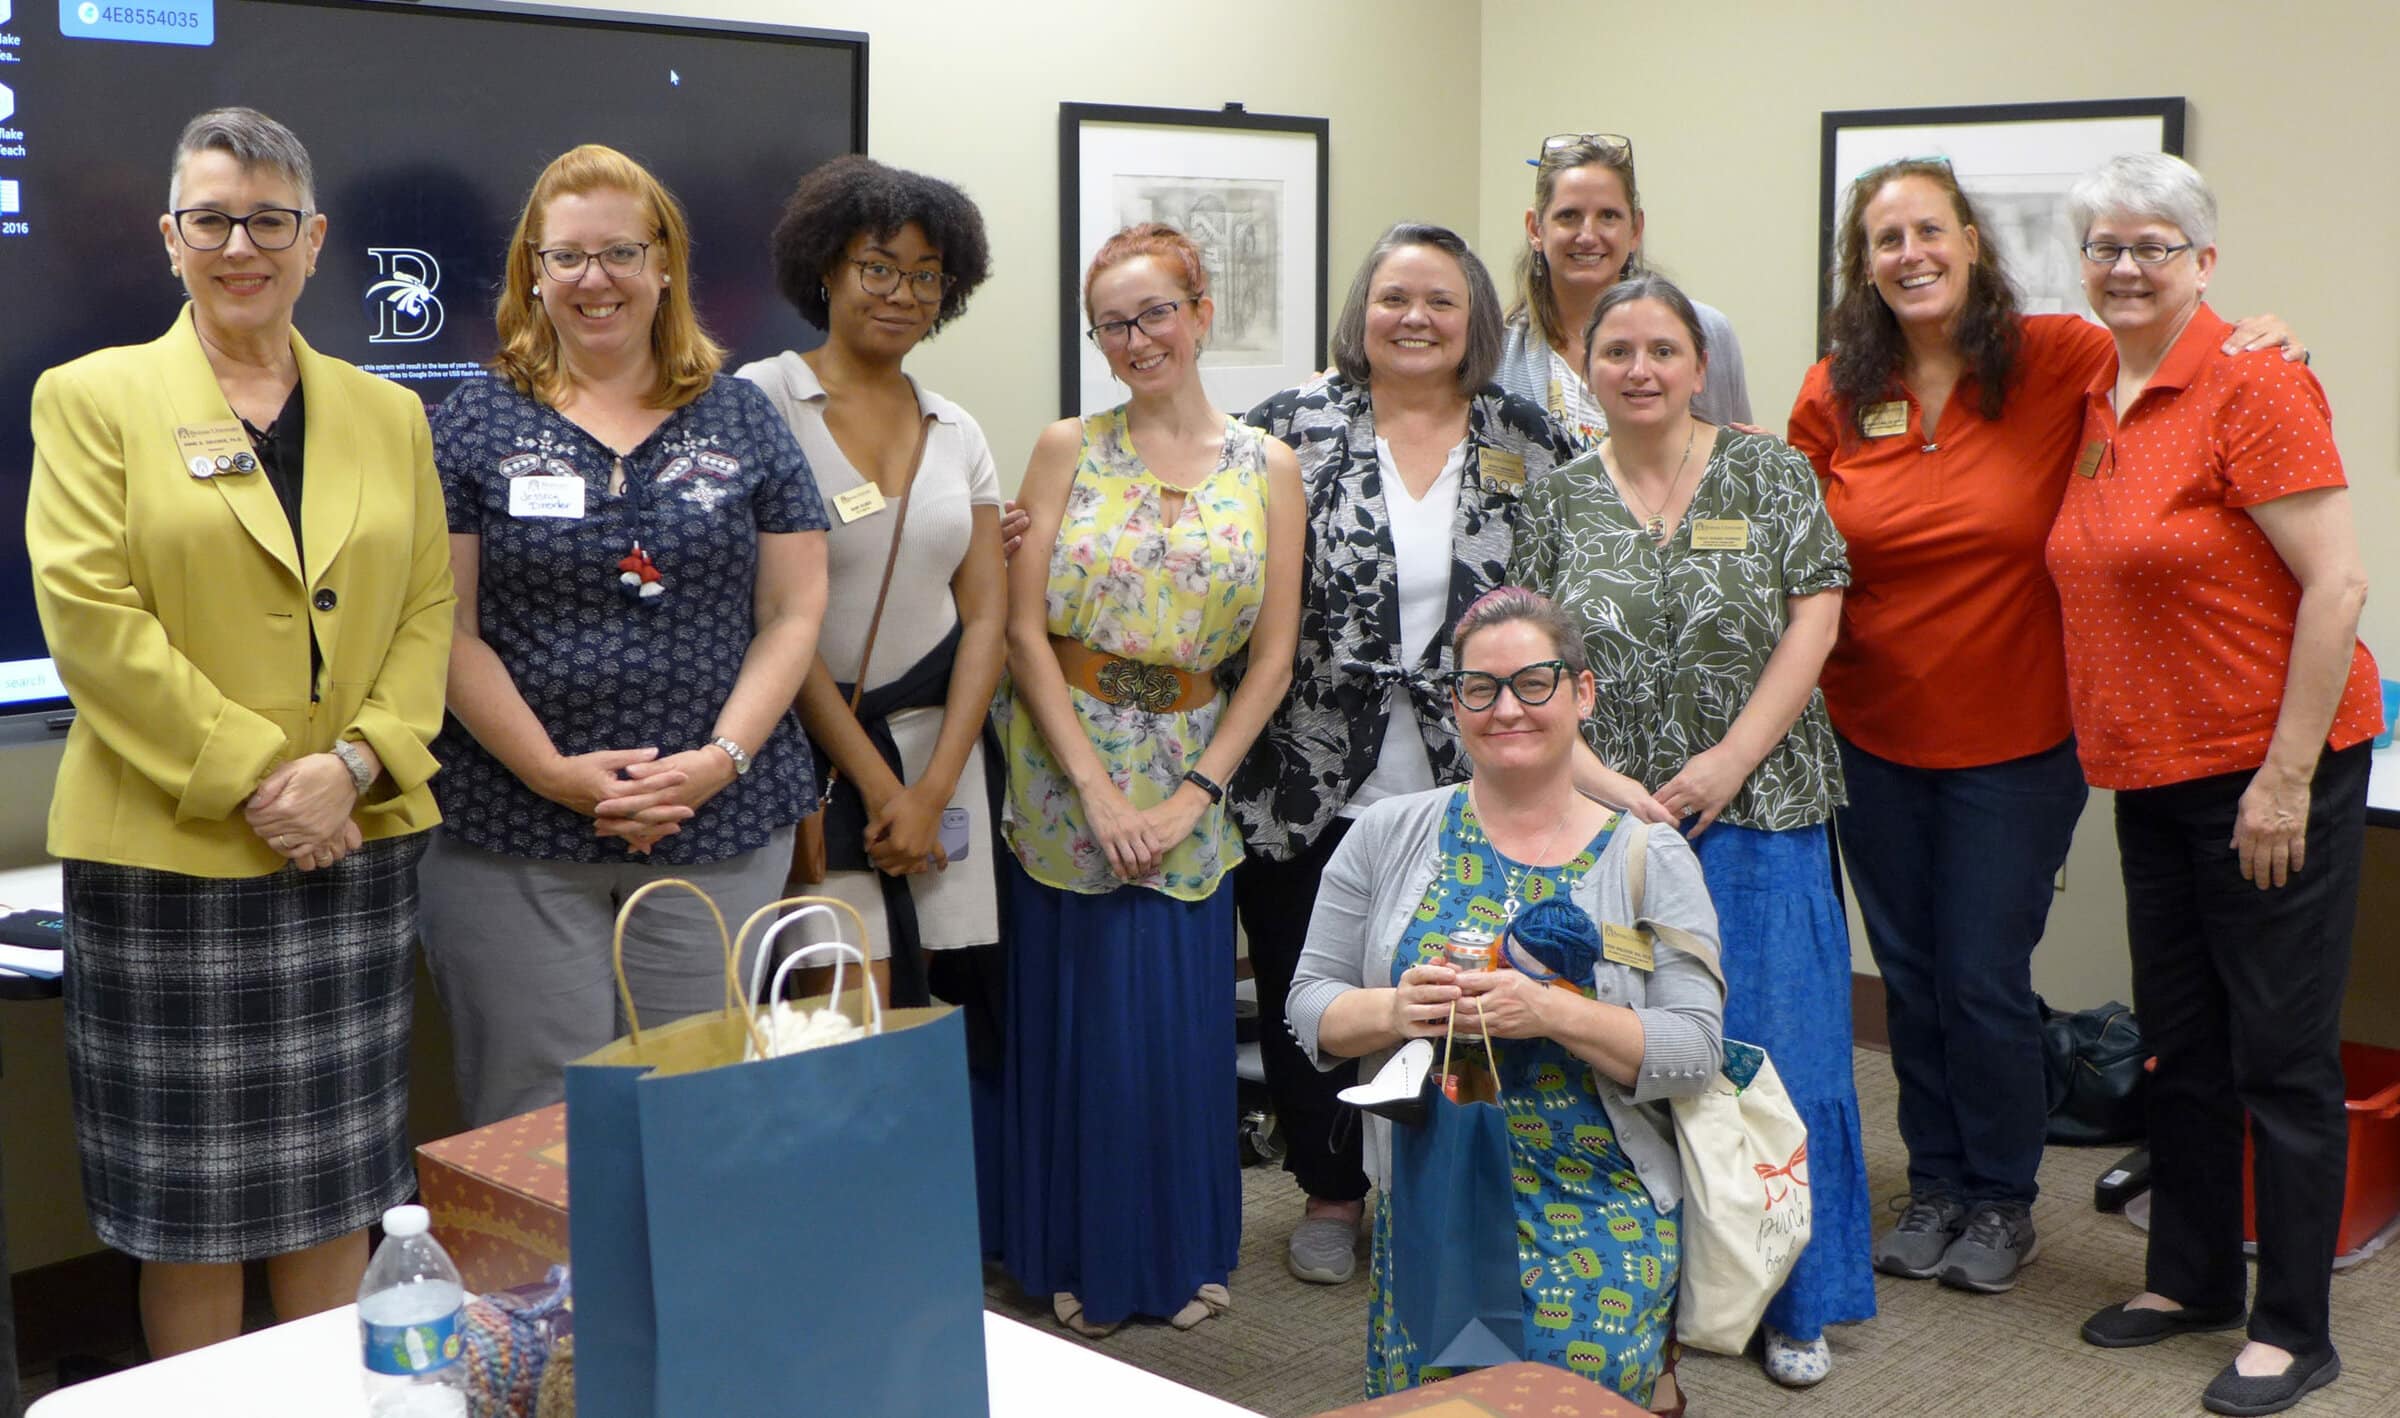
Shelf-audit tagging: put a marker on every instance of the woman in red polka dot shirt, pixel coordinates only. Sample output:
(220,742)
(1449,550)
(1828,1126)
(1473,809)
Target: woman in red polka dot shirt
(2211,585)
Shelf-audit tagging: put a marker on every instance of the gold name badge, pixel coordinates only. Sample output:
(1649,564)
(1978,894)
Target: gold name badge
(1626,946)
(1884,420)
(207,449)
(864,500)
(1502,466)
(1720,534)
(2087,463)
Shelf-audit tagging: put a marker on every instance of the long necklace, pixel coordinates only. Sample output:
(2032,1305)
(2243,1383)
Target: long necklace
(1513,873)
(1655,523)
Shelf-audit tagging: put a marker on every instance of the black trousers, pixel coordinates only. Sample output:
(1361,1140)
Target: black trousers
(1275,900)
(2239,991)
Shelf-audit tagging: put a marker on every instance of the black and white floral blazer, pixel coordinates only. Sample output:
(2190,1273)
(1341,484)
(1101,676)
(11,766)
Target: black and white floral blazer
(1324,740)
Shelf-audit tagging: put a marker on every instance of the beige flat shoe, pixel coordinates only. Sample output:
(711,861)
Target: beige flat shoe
(1069,1311)
(1207,1302)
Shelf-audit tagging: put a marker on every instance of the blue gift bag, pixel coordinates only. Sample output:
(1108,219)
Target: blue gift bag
(1453,1238)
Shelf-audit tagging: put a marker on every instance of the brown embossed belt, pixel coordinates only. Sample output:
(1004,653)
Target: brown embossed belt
(1113,679)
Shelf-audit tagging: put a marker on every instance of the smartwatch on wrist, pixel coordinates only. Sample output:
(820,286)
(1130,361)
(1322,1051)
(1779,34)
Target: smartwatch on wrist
(1215,790)
(734,751)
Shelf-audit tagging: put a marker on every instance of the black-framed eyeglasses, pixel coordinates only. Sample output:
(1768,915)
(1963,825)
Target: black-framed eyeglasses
(1156,321)
(568,263)
(2144,253)
(270,228)
(882,278)
(1533,685)
(1613,147)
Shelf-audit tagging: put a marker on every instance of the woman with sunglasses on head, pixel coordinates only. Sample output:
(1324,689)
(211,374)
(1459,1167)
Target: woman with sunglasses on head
(640,556)
(1587,1047)
(1413,462)
(1166,540)
(1943,427)
(1583,234)
(237,552)
(1708,580)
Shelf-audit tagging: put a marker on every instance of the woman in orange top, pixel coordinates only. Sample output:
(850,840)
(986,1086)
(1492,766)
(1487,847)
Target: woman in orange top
(1944,426)
(2211,585)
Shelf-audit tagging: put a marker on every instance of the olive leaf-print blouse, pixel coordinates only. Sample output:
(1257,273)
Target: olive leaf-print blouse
(1324,739)
(1678,636)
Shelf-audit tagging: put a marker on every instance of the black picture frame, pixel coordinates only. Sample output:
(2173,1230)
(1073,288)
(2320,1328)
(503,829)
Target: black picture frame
(1078,238)
(2053,130)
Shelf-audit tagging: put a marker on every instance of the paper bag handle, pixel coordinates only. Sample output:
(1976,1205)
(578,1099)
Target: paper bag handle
(1450,1036)
(873,1020)
(733,980)
(758,967)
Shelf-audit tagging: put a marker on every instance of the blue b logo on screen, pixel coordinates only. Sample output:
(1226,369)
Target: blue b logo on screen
(140,21)
(407,311)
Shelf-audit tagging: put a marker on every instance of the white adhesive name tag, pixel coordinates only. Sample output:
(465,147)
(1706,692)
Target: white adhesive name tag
(545,496)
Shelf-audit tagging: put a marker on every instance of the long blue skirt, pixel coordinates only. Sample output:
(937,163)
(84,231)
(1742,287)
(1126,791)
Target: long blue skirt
(1787,990)
(1120,1171)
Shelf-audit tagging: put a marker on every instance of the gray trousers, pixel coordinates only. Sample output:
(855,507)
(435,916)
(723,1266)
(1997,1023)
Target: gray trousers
(520,953)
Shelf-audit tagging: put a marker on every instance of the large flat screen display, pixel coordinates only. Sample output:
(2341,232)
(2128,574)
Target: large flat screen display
(427,124)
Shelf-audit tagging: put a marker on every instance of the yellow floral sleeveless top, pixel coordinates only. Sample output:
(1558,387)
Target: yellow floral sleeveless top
(1125,581)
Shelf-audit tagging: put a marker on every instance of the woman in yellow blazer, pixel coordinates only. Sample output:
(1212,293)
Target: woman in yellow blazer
(242,567)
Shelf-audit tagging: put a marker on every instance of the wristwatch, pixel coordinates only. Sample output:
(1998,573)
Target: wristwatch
(734,751)
(361,776)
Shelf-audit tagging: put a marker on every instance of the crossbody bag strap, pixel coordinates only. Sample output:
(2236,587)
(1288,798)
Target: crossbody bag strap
(891,561)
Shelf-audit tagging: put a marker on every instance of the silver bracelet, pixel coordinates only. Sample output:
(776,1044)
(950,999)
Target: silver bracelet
(362,777)
(734,751)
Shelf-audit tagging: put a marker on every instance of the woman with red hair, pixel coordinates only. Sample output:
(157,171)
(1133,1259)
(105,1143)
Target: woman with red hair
(1165,543)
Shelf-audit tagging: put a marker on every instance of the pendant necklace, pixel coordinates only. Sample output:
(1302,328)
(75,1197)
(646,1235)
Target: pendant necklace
(1512,873)
(1655,523)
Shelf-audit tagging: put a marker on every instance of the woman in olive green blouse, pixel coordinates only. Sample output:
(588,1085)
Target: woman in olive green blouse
(1708,580)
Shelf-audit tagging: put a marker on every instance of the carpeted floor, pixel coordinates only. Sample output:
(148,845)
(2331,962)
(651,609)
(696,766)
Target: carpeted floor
(1289,1349)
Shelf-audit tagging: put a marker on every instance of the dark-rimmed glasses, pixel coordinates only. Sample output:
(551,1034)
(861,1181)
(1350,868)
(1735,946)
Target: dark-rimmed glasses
(1533,685)
(2144,253)
(883,278)
(270,228)
(568,263)
(1615,148)
(1156,321)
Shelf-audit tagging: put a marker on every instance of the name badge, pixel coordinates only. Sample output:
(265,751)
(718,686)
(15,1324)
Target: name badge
(208,449)
(1626,946)
(1884,420)
(2087,463)
(1720,534)
(1501,466)
(547,495)
(864,500)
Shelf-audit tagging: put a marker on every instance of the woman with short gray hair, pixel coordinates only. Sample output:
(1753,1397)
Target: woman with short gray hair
(1414,461)
(241,562)
(2210,586)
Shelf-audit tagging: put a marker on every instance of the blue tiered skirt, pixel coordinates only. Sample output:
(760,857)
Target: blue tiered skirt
(1787,979)
(1120,1169)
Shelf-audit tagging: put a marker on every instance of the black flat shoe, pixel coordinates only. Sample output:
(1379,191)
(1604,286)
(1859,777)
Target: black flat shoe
(2235,1392)
(2120,1328)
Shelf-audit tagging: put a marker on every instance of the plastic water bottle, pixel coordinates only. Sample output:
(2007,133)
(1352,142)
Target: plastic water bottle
(409,1308)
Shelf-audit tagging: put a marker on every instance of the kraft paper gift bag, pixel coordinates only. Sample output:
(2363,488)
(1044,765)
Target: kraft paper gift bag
(778,1234)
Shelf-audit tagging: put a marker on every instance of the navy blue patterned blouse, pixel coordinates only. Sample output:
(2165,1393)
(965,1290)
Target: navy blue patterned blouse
(601,666)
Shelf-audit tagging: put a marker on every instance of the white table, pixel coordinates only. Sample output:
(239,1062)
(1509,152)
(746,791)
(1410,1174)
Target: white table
(309,1369)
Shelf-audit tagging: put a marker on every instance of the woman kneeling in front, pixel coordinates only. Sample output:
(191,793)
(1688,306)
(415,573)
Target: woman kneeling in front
(1594,1063)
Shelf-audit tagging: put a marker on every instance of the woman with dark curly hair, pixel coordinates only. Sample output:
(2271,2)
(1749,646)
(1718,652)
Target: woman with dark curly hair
(1943,426)
(879,259)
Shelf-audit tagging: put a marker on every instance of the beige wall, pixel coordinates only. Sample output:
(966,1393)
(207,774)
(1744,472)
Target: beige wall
(1723,102)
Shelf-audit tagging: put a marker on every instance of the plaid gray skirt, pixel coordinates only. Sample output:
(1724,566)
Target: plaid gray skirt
(238,1052)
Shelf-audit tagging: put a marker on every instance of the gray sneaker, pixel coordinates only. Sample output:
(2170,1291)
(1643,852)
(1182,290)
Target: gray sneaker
(1997,1241)
(1323,1250)
(1913,1249)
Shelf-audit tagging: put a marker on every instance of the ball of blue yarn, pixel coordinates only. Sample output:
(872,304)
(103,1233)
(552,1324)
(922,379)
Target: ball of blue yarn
(1560,935)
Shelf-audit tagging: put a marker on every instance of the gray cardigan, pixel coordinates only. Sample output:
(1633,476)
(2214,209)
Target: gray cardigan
(1371,888)
(1525,367)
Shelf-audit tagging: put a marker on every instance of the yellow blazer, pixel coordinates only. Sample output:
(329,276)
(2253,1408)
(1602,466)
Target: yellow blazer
(179,612)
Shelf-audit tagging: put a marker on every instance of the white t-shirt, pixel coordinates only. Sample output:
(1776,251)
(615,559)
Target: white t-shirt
(1422,532)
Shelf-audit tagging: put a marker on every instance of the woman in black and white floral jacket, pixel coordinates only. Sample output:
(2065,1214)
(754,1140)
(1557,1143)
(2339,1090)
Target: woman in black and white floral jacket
(1414,461)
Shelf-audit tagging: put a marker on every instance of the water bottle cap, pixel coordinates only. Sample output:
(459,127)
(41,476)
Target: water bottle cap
(406,1221)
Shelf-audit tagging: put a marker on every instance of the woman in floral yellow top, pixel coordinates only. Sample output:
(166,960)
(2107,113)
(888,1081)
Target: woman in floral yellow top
(1708,580)
(1165,540)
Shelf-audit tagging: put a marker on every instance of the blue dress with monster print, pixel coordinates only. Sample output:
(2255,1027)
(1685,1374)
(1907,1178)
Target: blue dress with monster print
(1598,1261)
